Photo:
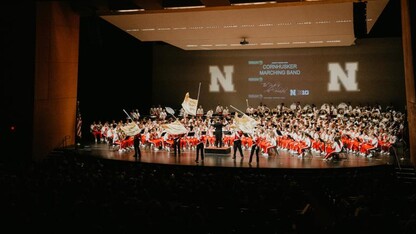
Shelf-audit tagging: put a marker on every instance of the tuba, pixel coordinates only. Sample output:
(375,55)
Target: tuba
(322,113)
(342,105)
(375,114)
(293,106)
(397,117)
(325,106)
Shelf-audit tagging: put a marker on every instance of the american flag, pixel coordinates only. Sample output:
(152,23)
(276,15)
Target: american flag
(79,122)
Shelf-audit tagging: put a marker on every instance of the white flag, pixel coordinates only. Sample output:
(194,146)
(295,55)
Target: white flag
(174,128)
(131,129)
(245,123)
(190,105)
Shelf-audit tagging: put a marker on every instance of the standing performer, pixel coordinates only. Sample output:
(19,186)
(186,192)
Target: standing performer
(218,125)
(255,148)
(177,145)
(237,144)
(136,143)
(200,146)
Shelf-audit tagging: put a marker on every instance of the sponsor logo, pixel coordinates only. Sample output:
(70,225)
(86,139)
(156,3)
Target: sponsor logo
(221,78)
(347,77)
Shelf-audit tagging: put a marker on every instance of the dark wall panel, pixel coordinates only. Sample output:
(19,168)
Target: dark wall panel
(370,72)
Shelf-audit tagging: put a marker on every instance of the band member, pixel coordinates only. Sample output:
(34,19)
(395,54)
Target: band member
(210,137)
(136,143)
(110,136)
(155,140)
(387,142)
(209,114)
(225,112)
(177,144)
(218,110)
(246,141)
(255,148)
(370,144)
(305,145)
(199,146)
(218,125)
(237,143)
(190,140)
(95,129)
(336,148)
(200,111)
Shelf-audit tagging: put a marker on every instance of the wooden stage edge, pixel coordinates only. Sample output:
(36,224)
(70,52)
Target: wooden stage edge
(217,150)
(223,157)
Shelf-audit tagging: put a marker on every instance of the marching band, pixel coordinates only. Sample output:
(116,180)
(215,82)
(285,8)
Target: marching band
(296,129)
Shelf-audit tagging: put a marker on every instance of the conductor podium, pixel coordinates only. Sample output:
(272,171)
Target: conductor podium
(217,150)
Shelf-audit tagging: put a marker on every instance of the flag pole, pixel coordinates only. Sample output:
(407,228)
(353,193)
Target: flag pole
(237,110)
(127,114)
(171,111)
(199,89)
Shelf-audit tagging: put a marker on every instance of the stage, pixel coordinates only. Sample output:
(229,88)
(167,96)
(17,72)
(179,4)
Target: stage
(282,159)
(217,150)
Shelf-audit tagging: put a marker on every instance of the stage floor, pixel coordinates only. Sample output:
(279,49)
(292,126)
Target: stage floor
(283,159)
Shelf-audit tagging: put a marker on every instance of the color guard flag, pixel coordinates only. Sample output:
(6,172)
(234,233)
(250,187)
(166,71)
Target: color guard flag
(79,122)
(190,105)
(131,129)
(245,123)
(174,128)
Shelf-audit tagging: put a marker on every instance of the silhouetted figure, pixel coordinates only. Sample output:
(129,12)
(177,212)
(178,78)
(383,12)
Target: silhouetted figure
(218,125)
(136,143)
(200,147)
(255,148)
(237,144)
(177,145)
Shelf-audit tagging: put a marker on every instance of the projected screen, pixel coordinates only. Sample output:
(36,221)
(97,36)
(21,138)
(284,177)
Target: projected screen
(370,72)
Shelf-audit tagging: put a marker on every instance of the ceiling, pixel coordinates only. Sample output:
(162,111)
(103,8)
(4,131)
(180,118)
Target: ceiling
(224,24)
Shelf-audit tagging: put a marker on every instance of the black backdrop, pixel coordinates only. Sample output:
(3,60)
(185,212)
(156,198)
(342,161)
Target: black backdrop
(117,71)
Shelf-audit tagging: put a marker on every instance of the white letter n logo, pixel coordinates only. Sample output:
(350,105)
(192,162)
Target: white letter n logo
(225,81)
(336,74)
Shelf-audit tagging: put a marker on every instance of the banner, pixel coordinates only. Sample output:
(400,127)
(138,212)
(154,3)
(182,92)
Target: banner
(131,129)
(190,105)
(245,123)
(174,128)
